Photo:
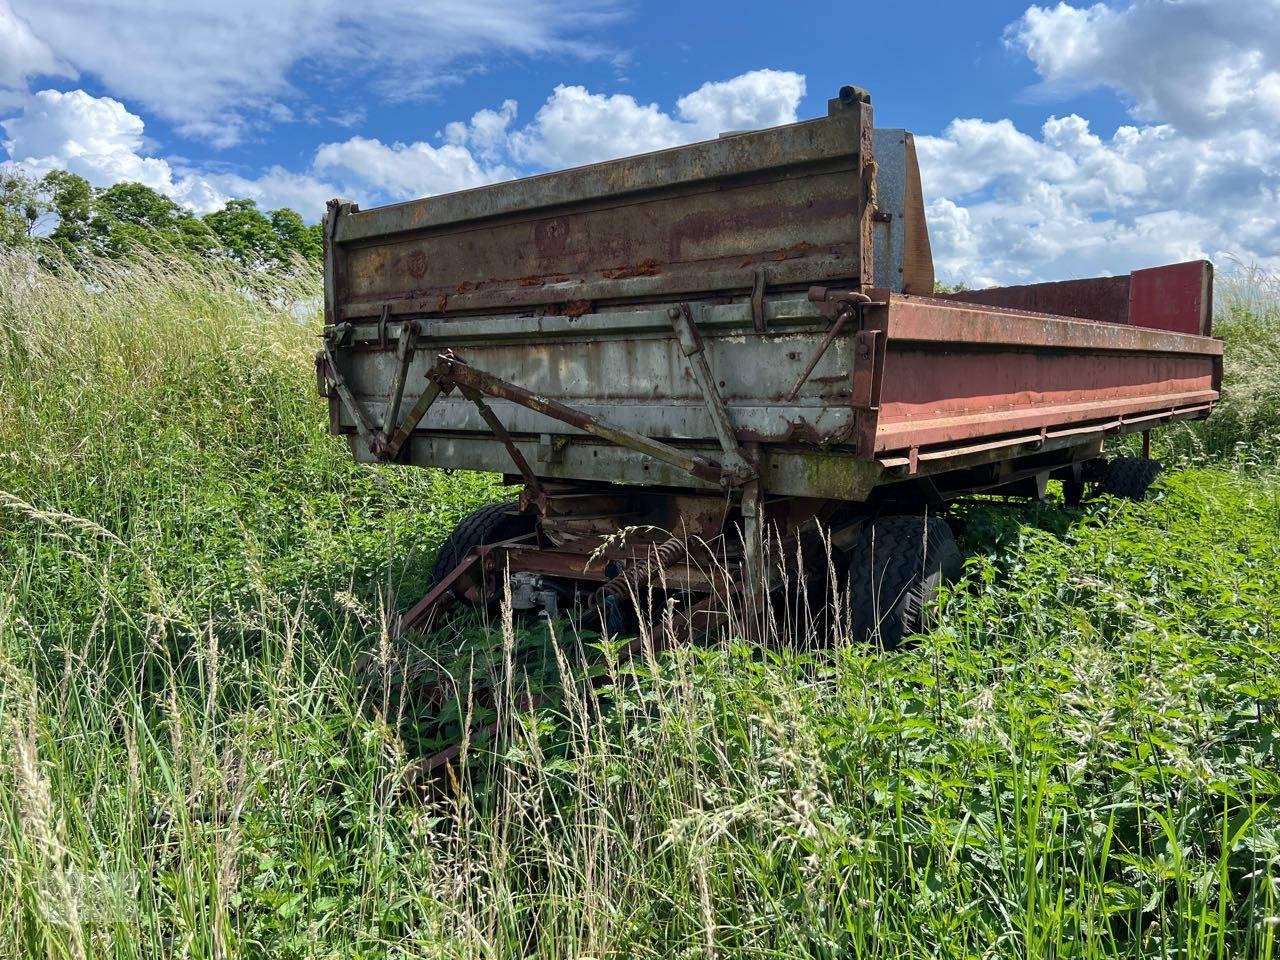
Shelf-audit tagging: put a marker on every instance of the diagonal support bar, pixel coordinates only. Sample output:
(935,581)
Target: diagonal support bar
(526,472)
(364,426)
(405,346)
(391,448)
(691,346)
(450,369)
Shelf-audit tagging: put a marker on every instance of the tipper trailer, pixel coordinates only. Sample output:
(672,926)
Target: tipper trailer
(728,342)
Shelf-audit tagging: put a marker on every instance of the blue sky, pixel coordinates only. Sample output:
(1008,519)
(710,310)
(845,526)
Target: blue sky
(1056,140)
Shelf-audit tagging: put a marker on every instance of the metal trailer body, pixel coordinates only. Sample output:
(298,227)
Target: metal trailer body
(739,331)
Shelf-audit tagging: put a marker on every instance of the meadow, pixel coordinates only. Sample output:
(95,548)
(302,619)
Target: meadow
(1081,760)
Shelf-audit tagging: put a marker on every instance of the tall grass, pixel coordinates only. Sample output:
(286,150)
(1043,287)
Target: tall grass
(1082,760)
(1246,425)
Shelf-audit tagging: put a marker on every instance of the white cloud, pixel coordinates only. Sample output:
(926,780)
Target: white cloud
(99,139)
(1199,175)
(22,53)
(1008,207)
(1202,65)
(486,134)
(406,170)
(95,137)
(214,69)
(1004,205)
(761,98)
(576,126)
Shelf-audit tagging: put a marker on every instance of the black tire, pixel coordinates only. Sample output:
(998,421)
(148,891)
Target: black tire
(491,524)
(895,569)
(1129,477)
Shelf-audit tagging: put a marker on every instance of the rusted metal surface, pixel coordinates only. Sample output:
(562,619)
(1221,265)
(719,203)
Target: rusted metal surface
(642,322)
(790,198)
(953,373)
(631,342)
(533,492)
(847,307)
(1104,299)
(736,465)
(451,369)
(1177,297)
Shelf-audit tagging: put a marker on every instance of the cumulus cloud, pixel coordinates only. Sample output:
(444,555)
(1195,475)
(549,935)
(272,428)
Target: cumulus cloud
(213,69)
(486,135)
(402,170)
(1201,65)
(1007,207)
(761,98)
(100,139)
(1198,174)
(576,126)
(95,137)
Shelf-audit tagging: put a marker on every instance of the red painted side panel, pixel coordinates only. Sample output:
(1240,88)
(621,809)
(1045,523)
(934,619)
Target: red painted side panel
(1099,298)
(954,373)
(1178,297)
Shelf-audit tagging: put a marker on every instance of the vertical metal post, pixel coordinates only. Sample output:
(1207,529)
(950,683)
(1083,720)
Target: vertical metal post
(1146,444)
(753,529)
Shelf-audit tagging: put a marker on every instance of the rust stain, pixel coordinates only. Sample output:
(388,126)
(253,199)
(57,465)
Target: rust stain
(442,303)
(577,308)
(531,281)
(466,286)
(793,252)
(417,264)
(550,237)
(648,267)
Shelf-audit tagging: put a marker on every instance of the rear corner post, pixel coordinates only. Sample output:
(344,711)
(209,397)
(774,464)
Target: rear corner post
(753,529)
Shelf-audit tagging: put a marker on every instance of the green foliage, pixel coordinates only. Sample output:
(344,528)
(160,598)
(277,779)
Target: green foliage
(72,200)
(259,240)
(23,203)
(1080,761)
(65,220)
(131,216)
(1246,425)
(293,236)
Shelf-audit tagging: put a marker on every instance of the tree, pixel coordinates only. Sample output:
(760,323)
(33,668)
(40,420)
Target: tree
(245,233)
(22,205)
(131,215)
(294,236)
(62,210)
(71,199)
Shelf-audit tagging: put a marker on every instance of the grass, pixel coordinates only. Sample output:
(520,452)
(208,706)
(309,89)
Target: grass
(1081,761)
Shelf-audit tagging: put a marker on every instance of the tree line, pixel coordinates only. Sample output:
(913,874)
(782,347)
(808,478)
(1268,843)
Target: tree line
(62,217)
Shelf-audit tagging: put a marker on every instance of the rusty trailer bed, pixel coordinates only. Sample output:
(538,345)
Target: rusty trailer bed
(922,385)
(709,343)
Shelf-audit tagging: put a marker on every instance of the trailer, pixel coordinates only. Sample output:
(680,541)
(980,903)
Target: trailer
(683,355)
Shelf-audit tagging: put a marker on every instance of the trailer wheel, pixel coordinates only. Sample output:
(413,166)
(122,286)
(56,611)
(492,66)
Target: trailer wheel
(491,524)
(897,565)
(1129,477)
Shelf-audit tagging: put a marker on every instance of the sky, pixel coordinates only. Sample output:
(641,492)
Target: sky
(1055,141)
